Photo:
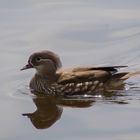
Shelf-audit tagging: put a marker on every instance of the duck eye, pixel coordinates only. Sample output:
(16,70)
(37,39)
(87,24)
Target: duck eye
(38,59)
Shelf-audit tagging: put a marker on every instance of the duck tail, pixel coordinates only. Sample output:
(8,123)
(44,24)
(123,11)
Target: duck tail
(129,74)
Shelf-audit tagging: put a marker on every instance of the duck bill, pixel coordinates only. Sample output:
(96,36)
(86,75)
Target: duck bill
(28,66)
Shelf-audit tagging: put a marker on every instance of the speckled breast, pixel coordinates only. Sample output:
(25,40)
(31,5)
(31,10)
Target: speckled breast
(88,87)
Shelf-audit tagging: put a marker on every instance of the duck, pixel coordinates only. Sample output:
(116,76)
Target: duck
(51,79)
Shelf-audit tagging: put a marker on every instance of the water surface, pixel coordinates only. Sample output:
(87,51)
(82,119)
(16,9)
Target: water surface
(83,33)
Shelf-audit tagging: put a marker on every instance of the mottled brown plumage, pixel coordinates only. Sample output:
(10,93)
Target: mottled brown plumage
(50,79)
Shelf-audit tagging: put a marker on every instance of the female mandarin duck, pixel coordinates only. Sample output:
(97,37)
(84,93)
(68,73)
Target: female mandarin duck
(83,80)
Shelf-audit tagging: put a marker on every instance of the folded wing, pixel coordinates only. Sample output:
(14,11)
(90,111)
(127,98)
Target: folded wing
(83,74)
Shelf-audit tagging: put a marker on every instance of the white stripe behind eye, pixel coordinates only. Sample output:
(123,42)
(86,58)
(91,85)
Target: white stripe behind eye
(43,59)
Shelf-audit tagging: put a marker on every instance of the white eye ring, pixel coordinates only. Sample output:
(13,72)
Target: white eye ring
(38,59)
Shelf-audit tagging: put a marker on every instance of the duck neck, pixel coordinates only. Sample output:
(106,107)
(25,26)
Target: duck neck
(50,76)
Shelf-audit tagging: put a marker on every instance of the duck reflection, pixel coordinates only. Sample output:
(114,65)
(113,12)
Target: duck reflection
(46,114)
(49,109)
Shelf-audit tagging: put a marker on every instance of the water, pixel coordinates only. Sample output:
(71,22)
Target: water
(83,33)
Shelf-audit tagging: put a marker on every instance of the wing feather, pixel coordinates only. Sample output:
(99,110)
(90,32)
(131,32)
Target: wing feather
(82,74)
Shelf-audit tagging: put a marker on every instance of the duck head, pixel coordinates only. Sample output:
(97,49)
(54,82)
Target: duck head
(45,62)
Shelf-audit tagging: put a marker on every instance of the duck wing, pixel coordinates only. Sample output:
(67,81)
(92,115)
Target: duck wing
(83,74)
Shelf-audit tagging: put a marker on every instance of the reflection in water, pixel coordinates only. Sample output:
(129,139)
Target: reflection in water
(50,108)
(47,112)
